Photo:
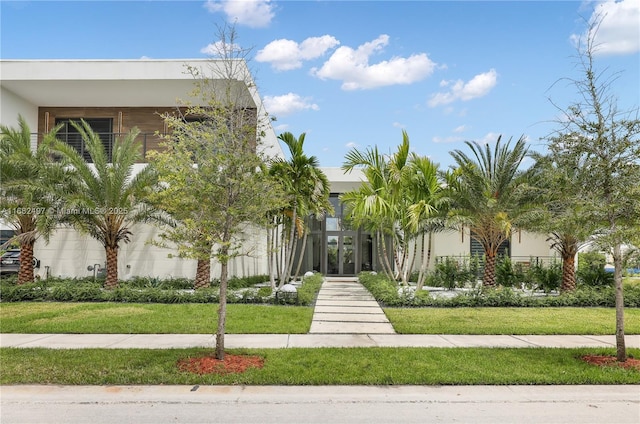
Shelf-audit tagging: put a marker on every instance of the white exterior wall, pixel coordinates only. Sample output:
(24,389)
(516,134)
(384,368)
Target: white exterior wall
(12,105)
(69,253)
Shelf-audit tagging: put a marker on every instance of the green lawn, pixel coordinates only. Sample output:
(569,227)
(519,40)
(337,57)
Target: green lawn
(135,318)
(371,366)
(150,318)
(599,321)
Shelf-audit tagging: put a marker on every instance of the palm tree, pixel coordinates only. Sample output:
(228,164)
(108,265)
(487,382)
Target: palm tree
(105,198)
(370,206)
(428,207)
(307,191)
(486,192)
(27,193)
(382,204)
(555,177)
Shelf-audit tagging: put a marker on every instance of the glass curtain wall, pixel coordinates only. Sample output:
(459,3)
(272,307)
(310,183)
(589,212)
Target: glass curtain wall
(334,247)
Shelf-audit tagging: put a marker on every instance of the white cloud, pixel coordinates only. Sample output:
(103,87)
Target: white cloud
(459,129)
(218,49)
(252,13)
(478,86)
(285,55)
(490,138)
(287,104)
(352,145)
(398,125)
(619,32)
(450,139)
(353,68)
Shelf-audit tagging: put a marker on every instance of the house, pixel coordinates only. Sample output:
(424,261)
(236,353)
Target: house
(114,96)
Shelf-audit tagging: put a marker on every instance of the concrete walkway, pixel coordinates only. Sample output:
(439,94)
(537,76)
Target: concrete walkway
(344,306)
(345,315)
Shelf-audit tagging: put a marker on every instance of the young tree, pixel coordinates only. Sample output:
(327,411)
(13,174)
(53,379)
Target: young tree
(105,199)
(605,141)
(214,178)
(27,190)
(486,195)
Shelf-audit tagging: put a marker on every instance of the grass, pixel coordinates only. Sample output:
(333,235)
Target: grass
(633,281)
(353,366)
(136,318)
(597,321)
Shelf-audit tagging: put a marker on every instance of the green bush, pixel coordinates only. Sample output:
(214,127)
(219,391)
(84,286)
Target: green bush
(309,289)
(546,278)
(506,274)
(383,290)
(386,292)
(591,271)
(135,290)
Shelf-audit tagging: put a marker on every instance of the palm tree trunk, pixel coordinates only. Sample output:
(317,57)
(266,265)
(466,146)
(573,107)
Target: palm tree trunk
(302,252)
(25,273)
(386,265)
(288,256)
(112,267)
(568,272)
(489,277)
(425,261)
(203,274)
(271,253)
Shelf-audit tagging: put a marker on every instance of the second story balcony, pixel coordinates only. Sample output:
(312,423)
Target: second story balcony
(147,141)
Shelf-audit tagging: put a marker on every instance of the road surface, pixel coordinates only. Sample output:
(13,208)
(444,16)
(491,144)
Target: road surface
(320,404)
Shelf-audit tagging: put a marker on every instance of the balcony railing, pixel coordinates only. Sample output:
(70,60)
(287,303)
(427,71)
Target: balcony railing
(148,141)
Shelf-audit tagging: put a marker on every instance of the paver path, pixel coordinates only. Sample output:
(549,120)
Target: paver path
(344,306)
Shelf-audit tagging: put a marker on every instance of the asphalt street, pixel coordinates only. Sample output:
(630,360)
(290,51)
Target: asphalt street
(320,404)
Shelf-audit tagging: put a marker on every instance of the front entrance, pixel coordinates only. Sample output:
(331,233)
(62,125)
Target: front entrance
(334,247)
(342,252)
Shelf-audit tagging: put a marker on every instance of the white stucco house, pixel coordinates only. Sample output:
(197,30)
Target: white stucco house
(117,95)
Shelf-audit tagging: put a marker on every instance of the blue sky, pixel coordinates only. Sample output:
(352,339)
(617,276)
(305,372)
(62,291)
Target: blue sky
(355,74)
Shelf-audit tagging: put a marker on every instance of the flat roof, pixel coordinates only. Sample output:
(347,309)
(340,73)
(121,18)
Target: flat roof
(109,83)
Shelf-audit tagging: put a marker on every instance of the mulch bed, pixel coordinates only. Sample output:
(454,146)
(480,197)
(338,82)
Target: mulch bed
(606,360)
(229,365)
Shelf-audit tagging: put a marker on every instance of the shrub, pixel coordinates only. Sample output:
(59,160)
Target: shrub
(309,289)
(383,290)
(546,278)
(591,270)
(506,274)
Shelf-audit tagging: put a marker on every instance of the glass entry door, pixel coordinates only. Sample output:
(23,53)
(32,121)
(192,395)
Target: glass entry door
(341,253)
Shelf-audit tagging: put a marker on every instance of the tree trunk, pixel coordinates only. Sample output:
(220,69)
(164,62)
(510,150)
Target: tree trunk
(288,254)
(25,272)
(222,308)
(112,267)
(568,273)
(271,253)
(302,253)
(203,274)
(489,277)
(425,262)
(621,350)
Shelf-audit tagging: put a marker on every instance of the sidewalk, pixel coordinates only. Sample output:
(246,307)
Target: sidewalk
(345,315)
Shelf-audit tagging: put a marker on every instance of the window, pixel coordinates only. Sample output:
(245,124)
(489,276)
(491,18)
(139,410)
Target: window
(477,250)
(101,126)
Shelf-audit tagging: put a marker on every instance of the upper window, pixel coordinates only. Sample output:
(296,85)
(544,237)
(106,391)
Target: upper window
(101,126)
